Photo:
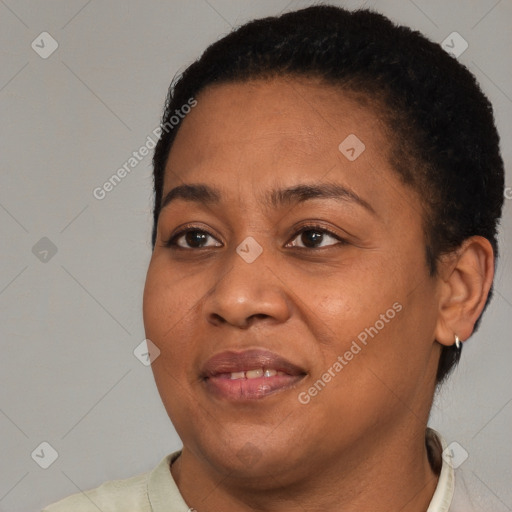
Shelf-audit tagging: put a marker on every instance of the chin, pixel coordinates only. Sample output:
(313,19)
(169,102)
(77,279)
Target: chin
(252,460)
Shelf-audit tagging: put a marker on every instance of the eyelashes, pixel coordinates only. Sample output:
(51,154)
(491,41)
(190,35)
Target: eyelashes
(171,243)
(317,229)
(203,234)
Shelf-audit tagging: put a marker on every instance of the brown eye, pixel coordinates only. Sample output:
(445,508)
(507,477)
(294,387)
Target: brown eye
(311,236)
(195,238)
(190,239)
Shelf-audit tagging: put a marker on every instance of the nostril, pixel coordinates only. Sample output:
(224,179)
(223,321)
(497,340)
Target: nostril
(261,316)
(215,318)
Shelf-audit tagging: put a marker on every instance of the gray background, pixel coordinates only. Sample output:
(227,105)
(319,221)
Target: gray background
(70,323)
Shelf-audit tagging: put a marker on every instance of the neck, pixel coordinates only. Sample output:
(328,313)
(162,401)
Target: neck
(387,475)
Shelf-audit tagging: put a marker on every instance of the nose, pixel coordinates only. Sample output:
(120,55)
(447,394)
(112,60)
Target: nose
(246,293)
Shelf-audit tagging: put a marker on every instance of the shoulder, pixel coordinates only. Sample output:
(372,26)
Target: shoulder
(459,487)
(129,494)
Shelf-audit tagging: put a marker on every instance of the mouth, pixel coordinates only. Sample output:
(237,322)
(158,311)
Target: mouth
(249,375)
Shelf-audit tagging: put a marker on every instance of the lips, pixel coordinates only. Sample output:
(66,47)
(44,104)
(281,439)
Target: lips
(249,375)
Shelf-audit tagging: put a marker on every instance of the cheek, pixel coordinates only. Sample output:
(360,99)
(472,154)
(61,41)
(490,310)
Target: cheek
(371,315)
(168,313)
(353,299)
(386,353)
(169,305)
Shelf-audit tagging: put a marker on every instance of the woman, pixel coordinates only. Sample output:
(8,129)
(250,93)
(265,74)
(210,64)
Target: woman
(327,192)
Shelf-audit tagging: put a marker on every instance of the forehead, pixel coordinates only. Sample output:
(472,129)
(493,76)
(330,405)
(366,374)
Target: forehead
(282,122)
(249,138)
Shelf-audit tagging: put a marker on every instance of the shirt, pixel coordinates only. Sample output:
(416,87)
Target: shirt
(156,491)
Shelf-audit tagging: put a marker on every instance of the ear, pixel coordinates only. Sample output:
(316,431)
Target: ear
(466,277)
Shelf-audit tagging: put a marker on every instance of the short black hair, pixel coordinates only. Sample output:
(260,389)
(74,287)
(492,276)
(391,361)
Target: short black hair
(444,144)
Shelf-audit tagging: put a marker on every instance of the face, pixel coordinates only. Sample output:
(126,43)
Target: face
(296,325)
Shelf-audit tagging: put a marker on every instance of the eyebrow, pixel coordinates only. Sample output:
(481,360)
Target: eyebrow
(208,195)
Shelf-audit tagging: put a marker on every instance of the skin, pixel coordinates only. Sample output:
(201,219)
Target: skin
(359,443)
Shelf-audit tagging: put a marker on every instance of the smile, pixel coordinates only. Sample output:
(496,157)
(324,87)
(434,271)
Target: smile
(252,374)
(249,375)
